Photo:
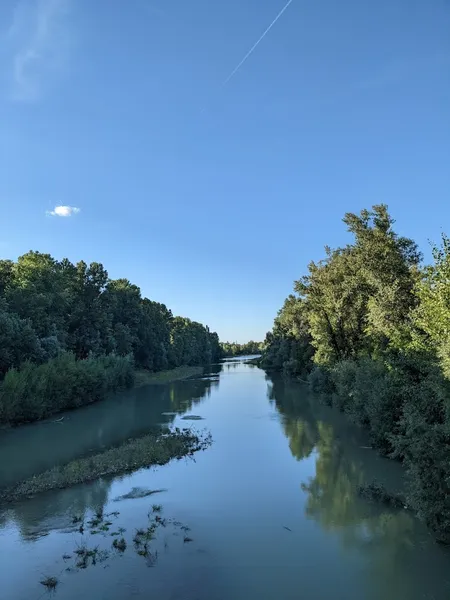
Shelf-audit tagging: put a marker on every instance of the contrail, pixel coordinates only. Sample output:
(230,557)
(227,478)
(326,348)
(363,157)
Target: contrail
(255,45)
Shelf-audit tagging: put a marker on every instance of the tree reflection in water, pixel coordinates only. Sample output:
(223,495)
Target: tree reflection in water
(138,412)
(388,539)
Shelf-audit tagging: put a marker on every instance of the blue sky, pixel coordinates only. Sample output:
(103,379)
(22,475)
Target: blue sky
(214,198)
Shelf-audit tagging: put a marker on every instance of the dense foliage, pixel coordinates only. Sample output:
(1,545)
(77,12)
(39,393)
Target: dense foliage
(372,330)
(231,349)
(58,322)
(34,392)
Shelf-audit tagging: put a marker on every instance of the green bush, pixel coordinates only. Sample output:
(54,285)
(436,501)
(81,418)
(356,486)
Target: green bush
(371,394)
(321,382)
(423,441)
(344,376)
(404,403)
(34,392)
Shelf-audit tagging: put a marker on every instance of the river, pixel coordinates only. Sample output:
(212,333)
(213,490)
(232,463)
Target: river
(272,506)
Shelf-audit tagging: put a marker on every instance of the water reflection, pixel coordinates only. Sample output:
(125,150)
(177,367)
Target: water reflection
(39,516)
(32,449)
(263,518)
(186,394)
(388,540)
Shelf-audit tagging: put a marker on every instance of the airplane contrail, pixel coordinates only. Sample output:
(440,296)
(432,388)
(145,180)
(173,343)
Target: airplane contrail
(255,45)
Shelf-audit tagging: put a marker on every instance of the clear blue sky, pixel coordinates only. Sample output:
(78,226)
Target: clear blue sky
(213,200)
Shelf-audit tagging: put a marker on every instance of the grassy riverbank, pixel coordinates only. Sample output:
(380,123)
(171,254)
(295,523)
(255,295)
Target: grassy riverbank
(144,452)
(143,377)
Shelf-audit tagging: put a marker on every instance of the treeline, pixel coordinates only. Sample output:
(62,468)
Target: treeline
(69,335)
(231,349)
(369,327)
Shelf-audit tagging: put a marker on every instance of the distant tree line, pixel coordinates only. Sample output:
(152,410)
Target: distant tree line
(69,335)
(231,349)
(369,328)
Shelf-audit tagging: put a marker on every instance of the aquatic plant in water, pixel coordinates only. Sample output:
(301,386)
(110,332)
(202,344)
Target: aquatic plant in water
(143,540)
(50,582)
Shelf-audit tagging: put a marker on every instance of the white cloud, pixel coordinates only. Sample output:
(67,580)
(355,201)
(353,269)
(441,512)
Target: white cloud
(38,42)
(63,211)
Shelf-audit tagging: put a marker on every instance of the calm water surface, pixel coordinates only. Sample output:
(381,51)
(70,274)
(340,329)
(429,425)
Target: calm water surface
(271,506)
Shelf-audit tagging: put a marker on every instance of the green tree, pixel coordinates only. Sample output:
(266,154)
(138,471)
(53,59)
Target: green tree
(380,330)
(18,341)
(55,312)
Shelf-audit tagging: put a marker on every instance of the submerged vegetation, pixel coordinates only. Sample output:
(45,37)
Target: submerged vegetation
(144,542)
(120,544)
(368,327)
(69,335)
(50,582)
(135,454)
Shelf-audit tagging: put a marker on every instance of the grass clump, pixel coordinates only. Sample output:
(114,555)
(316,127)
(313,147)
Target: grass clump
(77,519)
(120,544)
(135,454)
(50,582)
(145,545)
(139,536)
(88,556)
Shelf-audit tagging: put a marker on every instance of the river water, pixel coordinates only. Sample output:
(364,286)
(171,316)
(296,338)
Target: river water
(272,507)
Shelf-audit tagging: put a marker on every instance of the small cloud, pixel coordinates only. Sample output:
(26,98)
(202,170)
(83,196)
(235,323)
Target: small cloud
(63,211)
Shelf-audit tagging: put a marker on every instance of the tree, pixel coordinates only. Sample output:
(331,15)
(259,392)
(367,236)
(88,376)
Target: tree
(53,309)
(389,265)
(432,315)
(380,330)
(288,346)
(18,341)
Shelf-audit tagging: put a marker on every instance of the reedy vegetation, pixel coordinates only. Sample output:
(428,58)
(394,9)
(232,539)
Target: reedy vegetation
(369,327)
(69,335)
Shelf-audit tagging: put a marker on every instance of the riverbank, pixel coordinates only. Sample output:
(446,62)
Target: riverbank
(35,393)
(253,361)
(143,377)
(144,452)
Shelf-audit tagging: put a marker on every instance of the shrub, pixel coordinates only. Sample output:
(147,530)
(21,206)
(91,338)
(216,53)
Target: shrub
(344,376)
(423,441)
(404,403)
(321,382)
(34,392)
